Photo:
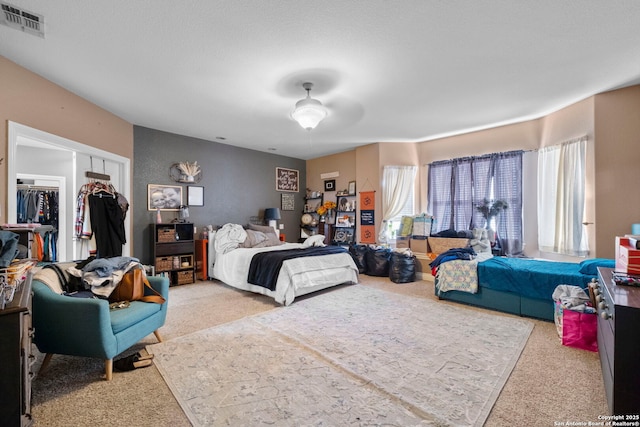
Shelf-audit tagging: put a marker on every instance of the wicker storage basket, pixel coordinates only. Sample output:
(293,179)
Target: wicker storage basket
(439,245)
(166,235)
(184,277)
(164,263)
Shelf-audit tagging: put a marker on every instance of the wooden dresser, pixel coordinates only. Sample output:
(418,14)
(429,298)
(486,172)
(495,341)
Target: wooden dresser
(16,359)
(619,342)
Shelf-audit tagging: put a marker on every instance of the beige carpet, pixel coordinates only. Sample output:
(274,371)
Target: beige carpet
(549,383)
(422,363)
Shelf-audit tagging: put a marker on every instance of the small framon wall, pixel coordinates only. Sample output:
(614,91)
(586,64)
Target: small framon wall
(238,183)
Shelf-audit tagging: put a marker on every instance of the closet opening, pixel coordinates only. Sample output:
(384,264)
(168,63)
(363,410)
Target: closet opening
(41,199)
(54,161)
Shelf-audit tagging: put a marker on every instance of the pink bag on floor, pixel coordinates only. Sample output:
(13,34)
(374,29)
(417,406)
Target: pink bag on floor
(580,330)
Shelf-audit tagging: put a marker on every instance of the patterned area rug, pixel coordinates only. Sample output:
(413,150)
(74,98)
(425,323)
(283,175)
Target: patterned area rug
(351,356)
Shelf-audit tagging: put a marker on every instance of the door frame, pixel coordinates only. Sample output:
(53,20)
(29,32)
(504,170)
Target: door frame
(20,134)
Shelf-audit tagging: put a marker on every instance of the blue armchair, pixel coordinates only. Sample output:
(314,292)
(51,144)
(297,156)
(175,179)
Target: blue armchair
(87,327)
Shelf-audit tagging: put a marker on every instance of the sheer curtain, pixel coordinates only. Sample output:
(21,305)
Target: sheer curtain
(561,198)
(396,186)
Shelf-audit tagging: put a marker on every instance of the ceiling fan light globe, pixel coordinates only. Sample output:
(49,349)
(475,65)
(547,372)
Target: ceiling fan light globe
(309,112)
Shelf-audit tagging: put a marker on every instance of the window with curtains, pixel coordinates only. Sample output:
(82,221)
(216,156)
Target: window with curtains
(561,198)
(397,193)
(407,210)
(457,187)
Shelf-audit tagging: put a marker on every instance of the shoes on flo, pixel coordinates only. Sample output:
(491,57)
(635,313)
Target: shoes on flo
(133,361)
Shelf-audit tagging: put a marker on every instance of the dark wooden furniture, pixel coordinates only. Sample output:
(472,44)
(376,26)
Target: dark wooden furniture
(16,359)
(619,342)
(202,259)
(327,231)
(344,232)
(174,251)
(310,206)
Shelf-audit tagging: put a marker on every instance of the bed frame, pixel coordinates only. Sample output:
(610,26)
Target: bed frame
(507,302)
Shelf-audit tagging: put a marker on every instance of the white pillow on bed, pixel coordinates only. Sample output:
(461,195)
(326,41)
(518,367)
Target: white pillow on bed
(315,240)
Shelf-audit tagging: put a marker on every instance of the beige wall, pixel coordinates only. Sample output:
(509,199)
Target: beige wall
(611,121)
(343,163)
(364,164)
(617,156)
(369,177)
(402,154)
(519,136)
(33,101)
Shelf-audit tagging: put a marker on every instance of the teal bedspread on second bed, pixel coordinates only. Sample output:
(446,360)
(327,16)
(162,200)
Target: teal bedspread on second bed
(529,277)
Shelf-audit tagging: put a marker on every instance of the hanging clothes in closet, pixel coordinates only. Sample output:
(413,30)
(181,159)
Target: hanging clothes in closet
(100,214)
(40,205)
(37,205)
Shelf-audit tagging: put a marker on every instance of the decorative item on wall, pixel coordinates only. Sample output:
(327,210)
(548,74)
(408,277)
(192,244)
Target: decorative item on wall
(288,202)
(195,195)
(185,172)
(352,188)
(330,185)
(367,217)
(287,180)
(164,197)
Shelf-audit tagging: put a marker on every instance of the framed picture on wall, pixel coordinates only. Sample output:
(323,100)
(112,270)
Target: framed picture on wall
(164,197)
(288,202)
(330,185)
(195,195)
(352,188)
(287,180)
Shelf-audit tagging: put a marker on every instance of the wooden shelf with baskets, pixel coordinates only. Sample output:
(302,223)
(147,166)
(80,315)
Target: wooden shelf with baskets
(174,251)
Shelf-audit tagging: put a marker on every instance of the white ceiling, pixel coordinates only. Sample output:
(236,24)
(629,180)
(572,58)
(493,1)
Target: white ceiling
(388,70)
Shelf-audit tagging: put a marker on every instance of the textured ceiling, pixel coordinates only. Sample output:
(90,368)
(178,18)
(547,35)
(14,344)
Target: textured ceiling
(387,70)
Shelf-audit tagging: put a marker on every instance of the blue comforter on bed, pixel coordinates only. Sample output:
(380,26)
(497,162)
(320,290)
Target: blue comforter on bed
(529,277)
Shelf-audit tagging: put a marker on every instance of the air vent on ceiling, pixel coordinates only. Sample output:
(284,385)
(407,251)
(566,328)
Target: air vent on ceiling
(23,20)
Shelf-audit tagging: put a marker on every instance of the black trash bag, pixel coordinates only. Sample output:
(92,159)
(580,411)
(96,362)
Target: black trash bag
(358,253)
(377,262)
(402,267)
